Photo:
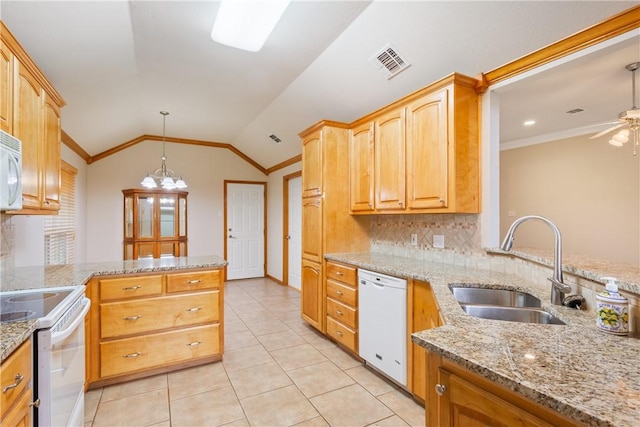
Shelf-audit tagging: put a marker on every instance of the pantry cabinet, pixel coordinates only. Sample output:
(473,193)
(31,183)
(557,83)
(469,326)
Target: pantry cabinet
(327,225)
(30,111)
(426,152)
(140,325)
(17,393)
(155,223)
(459,397)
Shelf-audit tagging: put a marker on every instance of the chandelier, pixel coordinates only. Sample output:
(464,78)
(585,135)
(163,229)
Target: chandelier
(163,176)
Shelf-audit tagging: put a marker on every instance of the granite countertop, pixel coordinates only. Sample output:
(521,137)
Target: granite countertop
(13,334)
(574,369)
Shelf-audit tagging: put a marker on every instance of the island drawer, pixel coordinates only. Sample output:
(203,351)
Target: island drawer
(194,281)
(130,287)
(135,354)
(132,317)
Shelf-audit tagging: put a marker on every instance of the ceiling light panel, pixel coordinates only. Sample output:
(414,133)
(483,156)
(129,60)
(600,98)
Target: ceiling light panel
(247,24)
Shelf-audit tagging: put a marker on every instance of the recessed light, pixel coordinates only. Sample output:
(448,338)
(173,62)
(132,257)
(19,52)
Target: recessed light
(529,122)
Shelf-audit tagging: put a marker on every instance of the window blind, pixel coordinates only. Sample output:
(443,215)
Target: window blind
(59,230)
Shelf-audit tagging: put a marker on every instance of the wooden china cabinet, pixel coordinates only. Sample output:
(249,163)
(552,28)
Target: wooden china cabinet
(155,223)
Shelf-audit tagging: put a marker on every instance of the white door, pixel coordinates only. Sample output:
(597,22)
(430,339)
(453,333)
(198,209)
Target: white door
(294,237)
(245,231)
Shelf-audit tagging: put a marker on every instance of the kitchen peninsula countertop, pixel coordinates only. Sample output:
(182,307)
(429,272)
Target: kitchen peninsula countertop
(12,334)
(587,375)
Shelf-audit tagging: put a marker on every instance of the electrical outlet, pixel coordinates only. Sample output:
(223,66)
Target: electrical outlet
(511,213)
(438,241)
(414,239)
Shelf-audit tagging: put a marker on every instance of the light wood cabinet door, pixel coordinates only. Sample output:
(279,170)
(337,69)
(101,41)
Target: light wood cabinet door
(312,229)
(464,404)
(312,161)
(15,382)
(27,128)
(51,154)
(389,147)
(427,152)
(361,168)
(312,293)
(6,88)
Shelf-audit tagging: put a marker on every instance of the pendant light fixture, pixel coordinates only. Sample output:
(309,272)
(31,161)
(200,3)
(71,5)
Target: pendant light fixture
(162,176)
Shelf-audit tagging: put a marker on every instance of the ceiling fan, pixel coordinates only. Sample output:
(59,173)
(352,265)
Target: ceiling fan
(629,119)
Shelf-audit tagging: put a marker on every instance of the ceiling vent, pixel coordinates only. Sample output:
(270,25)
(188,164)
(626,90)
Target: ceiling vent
(275,138)
(389,61)
(575,110)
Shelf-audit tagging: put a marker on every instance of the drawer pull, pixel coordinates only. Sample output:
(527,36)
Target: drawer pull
(132,355)
(339,333)
(18,379)
(132,288)
(194,309)
(193,282)
(440,389)
(339,293)
(339,313)
(195,343)
(339,273)
(136,317)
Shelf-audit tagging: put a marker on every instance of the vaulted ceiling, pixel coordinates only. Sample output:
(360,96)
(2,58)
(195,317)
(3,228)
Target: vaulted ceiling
(118,63)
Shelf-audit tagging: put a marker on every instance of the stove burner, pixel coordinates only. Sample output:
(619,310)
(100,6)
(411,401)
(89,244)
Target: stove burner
(32,297)
(15,316)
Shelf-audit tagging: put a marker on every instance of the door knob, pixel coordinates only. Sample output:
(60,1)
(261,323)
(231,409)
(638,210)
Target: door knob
(440,389)
(288,237)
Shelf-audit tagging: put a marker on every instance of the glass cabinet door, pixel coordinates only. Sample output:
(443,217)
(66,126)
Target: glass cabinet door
(182,216)
(145,216)
(128,217)
(167,215)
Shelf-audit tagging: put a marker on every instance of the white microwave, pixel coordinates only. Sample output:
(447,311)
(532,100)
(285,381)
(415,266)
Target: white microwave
(10,172)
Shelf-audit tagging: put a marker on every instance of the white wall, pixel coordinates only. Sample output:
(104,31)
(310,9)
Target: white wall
(203,168)
(275,218)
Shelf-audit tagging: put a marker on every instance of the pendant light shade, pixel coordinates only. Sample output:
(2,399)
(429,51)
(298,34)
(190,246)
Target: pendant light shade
(163,176)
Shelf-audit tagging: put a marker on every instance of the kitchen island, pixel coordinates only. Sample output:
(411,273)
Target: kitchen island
(14,333)
(573,369)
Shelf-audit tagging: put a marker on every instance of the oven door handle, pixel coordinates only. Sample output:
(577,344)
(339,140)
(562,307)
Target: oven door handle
(61,335)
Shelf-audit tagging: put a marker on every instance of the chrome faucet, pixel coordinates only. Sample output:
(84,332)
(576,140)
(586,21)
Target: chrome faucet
(558,287)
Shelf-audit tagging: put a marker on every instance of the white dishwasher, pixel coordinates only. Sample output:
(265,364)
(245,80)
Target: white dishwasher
(382,324)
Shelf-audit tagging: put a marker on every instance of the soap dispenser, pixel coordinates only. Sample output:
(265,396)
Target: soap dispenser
(612,309)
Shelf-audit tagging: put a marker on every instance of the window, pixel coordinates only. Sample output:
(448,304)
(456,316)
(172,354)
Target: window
(59,230)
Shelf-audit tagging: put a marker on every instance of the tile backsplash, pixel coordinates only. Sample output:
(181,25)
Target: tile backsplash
(392,233)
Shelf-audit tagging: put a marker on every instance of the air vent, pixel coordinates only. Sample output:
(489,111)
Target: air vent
(275,138)
(389,61)
(575,110)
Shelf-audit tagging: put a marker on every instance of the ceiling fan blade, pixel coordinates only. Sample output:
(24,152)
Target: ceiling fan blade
(606,131)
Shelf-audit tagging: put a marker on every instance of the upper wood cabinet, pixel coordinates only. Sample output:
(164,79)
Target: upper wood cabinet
(30,111)
(312,172)
(426,152)
(361,171)
(155,223)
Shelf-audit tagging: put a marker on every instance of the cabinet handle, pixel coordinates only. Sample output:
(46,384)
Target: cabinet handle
(400,203)
(136,317)
(193,282)
(193,344)
(441,200)
(194,309)
(132,288)
(339,293)
(35,404)
(339,333)
(132,355)
(440,389)
(339,313)
(339,273)
(18,379)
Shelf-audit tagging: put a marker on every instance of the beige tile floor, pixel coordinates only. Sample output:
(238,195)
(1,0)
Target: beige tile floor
(276,371)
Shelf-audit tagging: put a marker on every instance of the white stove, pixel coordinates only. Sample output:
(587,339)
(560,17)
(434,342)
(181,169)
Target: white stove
(59,349)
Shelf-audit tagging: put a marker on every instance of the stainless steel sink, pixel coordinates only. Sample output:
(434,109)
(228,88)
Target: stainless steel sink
(511,314)
(494,297)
